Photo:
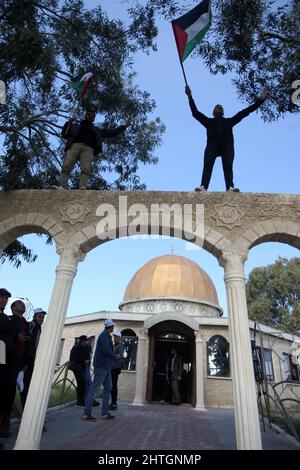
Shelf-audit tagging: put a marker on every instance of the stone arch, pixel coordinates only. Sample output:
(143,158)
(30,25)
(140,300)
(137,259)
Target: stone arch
(275,230)
(87,238)
(32,222)
(170,316)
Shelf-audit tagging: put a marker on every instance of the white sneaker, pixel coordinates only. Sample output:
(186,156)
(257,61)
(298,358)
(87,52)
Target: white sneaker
(233,190)
(55,186)
(201,188)
(82,187)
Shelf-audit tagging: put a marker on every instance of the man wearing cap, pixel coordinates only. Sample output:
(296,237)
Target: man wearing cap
(116,369)
(35,330)
(103,357)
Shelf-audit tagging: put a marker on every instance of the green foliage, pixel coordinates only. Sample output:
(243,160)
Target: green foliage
(257,41)
(45,45)
(273,294)
(15,252)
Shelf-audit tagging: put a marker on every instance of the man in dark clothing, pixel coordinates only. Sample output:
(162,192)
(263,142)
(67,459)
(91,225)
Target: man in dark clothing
(161,378)
(220,140)
(84,141)
(174,374)
(116,369)
(79,358)
(102,363)
(35,330)
(19,358)
(8,337)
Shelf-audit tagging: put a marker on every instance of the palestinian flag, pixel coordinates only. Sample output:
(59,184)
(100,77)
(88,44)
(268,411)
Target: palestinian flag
(191,28)
(82,85)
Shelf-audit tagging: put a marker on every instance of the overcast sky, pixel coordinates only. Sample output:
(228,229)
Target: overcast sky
(267,160)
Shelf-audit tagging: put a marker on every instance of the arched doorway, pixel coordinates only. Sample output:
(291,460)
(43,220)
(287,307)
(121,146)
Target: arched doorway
(163,337)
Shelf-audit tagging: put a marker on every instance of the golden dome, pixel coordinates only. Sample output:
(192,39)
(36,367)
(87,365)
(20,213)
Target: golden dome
(171,276)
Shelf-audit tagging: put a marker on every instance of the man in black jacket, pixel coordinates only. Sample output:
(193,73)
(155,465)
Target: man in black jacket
(8,337)
(79,360)
(84,141)
(35,330)
(220,140)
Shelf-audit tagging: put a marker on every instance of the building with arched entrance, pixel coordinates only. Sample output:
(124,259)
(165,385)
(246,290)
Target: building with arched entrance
(171,302)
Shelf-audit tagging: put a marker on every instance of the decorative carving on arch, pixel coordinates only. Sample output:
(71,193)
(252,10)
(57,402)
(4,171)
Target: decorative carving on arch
(228,215)
(74,213)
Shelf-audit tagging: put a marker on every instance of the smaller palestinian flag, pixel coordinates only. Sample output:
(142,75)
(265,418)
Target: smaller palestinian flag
(191,28)
(82,85)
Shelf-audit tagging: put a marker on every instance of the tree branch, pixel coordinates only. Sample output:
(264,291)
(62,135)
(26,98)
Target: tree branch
(279,37)
(46,144)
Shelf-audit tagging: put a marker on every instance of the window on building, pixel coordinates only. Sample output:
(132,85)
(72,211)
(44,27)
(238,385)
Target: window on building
(262,366)
(289,369)
(268,364)
(218,357)
(60,350)
(130,342)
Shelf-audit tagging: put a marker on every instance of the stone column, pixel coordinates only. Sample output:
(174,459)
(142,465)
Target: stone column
(247,424)
(141,369)
(36,404)
(199,369)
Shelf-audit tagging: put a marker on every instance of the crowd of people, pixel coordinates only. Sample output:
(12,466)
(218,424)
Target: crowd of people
(19,340)
(107,363)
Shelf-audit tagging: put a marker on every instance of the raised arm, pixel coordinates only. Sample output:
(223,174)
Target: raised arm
(253,107)
(106,133)
(196,114)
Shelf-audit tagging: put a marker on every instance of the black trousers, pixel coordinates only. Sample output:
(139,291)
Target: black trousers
(214,149)
(81,379)
(27,380)
(114,380)
(8,377)
(3,388)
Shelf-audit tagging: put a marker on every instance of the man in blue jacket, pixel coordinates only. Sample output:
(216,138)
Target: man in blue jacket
(102,363)
(220,142)
(84,141)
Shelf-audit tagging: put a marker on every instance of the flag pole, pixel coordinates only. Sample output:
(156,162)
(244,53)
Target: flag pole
(183,71)
(73,116)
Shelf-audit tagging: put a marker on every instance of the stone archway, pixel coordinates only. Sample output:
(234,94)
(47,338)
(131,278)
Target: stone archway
(233,223)
(272,230)
(31,222)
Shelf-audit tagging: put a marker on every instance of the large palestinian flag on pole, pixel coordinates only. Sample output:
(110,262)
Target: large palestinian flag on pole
(82,85)
(191,28)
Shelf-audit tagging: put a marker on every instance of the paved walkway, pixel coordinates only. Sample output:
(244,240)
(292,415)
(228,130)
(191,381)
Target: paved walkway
(150,427)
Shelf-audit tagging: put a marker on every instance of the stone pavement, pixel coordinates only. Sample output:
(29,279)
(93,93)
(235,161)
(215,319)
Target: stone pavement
(150,427)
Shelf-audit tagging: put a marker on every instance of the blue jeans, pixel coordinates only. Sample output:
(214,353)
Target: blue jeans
(101,376)
(88,382)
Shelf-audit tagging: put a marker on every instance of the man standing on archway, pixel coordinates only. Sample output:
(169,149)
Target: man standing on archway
(220,140)
(84,141)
